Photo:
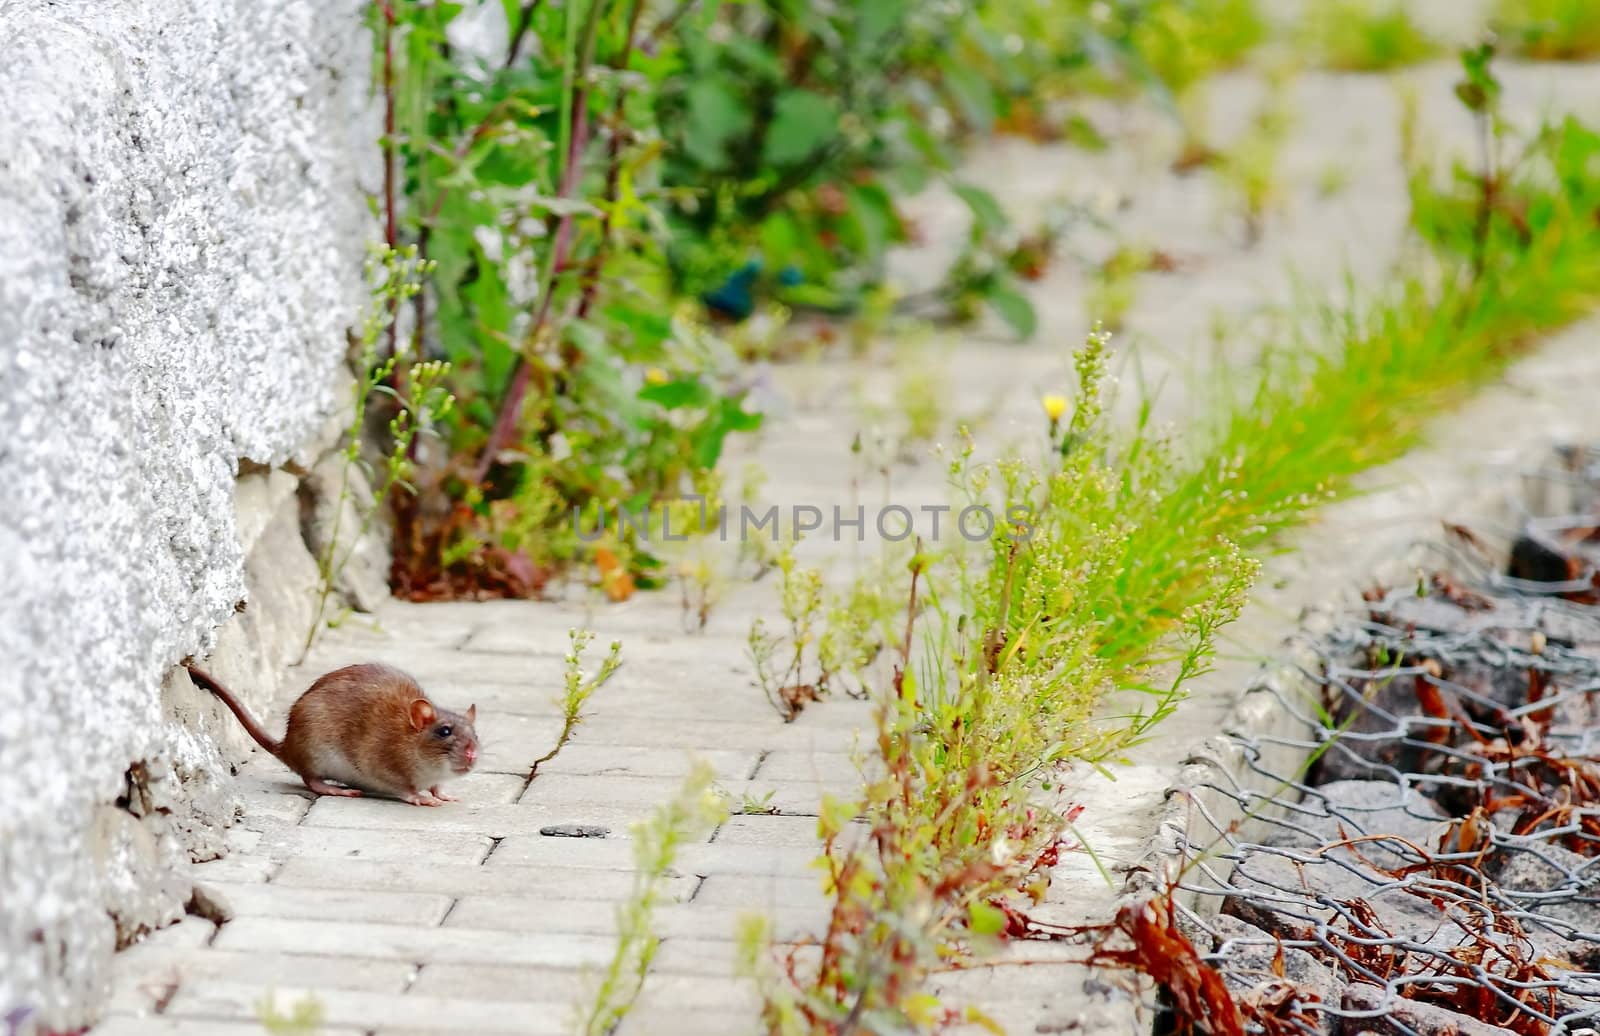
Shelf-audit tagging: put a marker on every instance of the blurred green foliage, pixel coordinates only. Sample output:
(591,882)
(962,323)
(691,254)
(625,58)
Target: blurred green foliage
(1561,30)
(600,183)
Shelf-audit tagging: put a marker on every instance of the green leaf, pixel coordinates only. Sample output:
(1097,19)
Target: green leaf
(588,339)
(834,815)
(601,385)
(674,394)
(815,296)
(599,377)
(1084,134)
(802,123)
(984,919)
(513,11)
(647,327)
(716,115)
(780,240)
(972,94)
(985,209)
(756,60)
(875,20)
(1014,308)
(562,206)
(737,418)
(929,148)
(730,416)
(872,211)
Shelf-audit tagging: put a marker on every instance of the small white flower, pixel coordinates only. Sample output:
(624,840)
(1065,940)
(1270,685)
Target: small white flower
(490,242)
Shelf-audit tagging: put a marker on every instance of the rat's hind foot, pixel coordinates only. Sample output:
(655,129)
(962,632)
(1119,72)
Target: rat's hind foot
(422,798)
(321,787)
(441,796)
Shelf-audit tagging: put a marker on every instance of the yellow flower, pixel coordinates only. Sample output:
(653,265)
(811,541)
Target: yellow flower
(1054,407)
(656,376)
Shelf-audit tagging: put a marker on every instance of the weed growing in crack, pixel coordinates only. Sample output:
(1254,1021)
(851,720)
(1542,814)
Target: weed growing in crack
(1249,167)
(578,687)
(858,626)
(1115,285)
(1364,35)
(304,1018)
(419,400)
(780,659)
(752,805)
(760,553)
(1001,660)
(1134,557)
(916,412)
(691,520)
(1561,30)
(695,810)
(922,399)
(1333,180)
(832,637)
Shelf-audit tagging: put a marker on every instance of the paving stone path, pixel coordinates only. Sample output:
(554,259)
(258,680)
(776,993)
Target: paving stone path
(467,919)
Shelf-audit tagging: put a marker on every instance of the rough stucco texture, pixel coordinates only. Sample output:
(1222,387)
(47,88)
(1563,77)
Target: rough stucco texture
(181,229)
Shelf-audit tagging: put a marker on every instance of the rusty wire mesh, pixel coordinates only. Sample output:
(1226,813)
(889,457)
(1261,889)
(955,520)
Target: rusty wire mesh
(1429,863)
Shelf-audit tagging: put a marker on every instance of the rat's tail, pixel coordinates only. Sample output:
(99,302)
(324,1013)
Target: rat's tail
(251,727)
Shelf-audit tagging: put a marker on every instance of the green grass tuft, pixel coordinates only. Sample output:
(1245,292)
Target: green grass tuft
(1364,35)
(1549,30)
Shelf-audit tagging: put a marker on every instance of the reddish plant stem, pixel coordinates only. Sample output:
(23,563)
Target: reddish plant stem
(391,215)
(911,622)
(505,424)
(520,32)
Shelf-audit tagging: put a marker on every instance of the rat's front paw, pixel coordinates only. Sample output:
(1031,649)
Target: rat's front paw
(441,796)
(423,798)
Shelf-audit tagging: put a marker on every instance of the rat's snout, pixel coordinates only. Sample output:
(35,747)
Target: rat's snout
(471,754)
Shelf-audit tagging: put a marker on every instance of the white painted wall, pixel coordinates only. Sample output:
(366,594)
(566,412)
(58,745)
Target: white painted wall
(181,230)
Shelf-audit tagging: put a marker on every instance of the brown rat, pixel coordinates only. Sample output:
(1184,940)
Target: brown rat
(371,728)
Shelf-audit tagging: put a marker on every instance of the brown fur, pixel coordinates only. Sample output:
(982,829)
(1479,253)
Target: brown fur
(368,727)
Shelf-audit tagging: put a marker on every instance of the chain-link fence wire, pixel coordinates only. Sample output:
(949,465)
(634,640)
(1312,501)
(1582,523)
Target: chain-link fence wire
(1430,860)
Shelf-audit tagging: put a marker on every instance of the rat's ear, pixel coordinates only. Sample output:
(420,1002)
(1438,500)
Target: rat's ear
(422,714)
(472,714)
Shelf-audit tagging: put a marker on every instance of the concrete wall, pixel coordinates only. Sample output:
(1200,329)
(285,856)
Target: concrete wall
(182,221)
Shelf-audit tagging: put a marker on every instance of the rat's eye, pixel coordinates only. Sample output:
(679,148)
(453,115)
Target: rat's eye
(444,731)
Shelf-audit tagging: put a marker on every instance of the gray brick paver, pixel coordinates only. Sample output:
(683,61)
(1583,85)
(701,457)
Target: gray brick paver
(582,758)
(238,1000)
(501,983)
(680,919)
(605,880)
(335,904)
(411,943)
(377,844)
(760,892)
(475,822)
(142,987)
(122,1024)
